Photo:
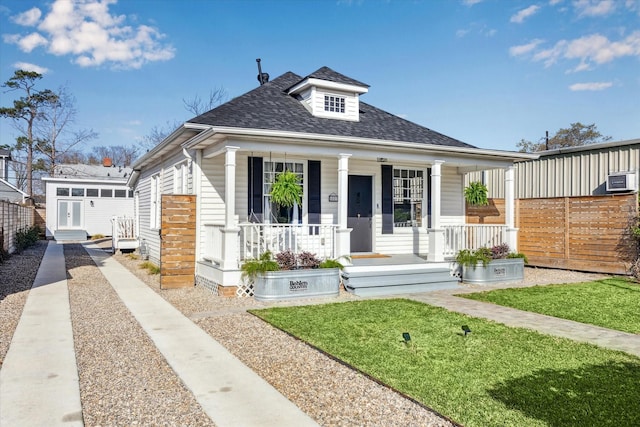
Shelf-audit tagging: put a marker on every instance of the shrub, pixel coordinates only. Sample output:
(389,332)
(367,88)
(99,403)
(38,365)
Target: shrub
(150,267)
(97,236)
(287,260)
(308,260)
(26,237)
(469,258)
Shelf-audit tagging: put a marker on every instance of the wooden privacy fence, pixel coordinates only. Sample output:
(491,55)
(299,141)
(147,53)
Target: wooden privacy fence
(178,241)
(578,233)
(13,217)
(590,233)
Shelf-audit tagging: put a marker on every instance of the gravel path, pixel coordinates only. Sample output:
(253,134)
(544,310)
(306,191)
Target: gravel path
(16,277)
(125,381)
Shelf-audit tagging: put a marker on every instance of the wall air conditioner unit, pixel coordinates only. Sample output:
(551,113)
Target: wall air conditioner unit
(622,181)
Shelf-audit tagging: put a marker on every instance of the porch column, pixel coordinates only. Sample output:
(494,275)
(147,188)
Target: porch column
(230,230)
(343,237)
(436,233)
(509,208)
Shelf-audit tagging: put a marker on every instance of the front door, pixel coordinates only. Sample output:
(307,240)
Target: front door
(69,214)
(360,212)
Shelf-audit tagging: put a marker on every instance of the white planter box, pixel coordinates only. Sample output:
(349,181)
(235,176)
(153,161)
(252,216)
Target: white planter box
(289,284)
(498,270)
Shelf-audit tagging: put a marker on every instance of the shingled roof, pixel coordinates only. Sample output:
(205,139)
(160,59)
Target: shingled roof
(270,107)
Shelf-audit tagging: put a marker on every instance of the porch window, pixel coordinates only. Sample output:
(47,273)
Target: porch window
(273,212)
(62,191)
(77,192)
(407,197)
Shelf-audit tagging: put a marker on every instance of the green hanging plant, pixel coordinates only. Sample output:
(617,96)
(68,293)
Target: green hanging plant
(476,194)
(286,191)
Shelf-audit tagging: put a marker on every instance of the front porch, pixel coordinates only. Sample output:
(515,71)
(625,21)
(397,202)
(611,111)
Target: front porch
(364,274)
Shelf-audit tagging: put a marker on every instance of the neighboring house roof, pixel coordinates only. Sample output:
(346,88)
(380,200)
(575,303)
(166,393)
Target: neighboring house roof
(5,153)
(589,147)
(11,193)
(91,172)
(271,107)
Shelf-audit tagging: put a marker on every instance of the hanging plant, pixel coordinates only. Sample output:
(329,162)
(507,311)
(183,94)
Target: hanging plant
(476,194)
(286,191)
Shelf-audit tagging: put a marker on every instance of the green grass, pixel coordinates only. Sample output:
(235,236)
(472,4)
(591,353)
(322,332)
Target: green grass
(611,303)
(496,376)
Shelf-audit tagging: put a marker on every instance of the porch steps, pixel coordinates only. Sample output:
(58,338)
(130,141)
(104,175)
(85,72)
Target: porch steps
(378,280)
(70,235)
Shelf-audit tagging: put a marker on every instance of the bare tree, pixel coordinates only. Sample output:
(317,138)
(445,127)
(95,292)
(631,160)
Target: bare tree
(197,106)
(55,135)
(575,136)
(25,114)
(119,154)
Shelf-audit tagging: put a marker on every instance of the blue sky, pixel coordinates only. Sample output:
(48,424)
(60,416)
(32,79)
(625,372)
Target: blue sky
(487,72)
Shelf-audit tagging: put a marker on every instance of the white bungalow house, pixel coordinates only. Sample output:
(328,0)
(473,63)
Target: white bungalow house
(82,199)
(376,186)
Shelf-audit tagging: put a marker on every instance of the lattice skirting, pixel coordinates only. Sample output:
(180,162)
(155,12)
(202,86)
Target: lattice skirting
(243,291)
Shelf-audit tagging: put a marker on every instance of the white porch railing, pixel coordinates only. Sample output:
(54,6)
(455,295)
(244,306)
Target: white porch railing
(123,233)
(319,239)
(472,236)
(255,239)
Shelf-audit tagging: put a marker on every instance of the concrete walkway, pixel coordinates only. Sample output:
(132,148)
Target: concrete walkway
(608,338)
(39,383)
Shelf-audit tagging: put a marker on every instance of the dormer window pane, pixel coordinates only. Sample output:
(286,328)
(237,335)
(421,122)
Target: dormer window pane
(334,104)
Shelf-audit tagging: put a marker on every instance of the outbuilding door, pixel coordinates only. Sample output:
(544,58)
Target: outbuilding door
(359,212)
(69,214)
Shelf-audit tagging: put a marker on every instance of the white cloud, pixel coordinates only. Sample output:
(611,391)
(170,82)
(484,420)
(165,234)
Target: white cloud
(87,31)
(554,2)
(28,18)
(471,2)
(590,86)
(588,50)
(525,48)
(462,33)
(594,7)
(30,67)
(519,17)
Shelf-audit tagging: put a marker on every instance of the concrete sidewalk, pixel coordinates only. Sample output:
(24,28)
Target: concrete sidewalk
(39,383)
(608,338)
(230,393)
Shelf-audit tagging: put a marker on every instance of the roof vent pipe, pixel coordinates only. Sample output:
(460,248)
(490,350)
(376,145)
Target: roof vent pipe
(262,77)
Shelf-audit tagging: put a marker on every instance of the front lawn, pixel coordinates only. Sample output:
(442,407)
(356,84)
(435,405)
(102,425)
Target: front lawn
(611,303)
(494,376)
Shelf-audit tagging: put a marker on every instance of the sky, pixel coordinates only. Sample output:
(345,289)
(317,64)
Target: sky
(487,72)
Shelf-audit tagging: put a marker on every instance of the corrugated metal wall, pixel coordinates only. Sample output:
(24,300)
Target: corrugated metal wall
(565,173)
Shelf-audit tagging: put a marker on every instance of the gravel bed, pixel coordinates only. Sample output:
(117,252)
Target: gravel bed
(16,277)
(124,380)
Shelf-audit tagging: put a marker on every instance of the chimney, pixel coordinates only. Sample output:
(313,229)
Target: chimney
(106,162)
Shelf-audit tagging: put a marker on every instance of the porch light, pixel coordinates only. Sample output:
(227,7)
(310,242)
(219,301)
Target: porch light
(382,160)
(91,203)
(466,330)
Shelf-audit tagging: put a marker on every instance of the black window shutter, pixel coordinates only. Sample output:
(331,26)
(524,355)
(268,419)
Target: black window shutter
(387,199)
(314,208)
(255,189)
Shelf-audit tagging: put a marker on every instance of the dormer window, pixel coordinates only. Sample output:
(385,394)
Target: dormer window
(334,104)
(330,95)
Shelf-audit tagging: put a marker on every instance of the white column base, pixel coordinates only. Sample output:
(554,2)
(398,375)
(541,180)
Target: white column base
(230,248)
(436,245)
(343,244)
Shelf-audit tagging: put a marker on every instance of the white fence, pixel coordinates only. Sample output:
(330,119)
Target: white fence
(472,236)
(123,233)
